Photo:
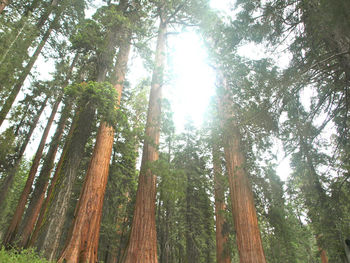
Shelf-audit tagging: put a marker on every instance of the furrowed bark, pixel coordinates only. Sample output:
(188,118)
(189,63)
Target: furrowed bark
(82,244)
(142,245)
(42,182)
(222,256)
(16,219)
(243,209)
(53,182)
(51,230)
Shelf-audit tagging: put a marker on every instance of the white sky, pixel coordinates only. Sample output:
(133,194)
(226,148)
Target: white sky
(192,83)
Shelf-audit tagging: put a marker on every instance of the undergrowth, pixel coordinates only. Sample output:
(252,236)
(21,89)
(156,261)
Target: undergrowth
(24,256)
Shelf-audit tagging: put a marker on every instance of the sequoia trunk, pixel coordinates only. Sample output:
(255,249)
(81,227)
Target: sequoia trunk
(82,243)
(51,231)
(142,245)
(17,217)
(243,209)
(42,182)
(53,181)
(222,256)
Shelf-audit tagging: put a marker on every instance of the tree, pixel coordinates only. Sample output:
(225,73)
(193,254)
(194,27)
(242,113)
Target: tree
(243,208)
(82,244)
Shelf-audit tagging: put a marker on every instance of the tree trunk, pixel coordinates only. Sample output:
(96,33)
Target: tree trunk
(27,40)
(13,228)
(222,256)
(53,182)
(243,209)
(3,4)
(6,185)
(19,83)
(51,230)
(142,245)
(82,243)
(42,182)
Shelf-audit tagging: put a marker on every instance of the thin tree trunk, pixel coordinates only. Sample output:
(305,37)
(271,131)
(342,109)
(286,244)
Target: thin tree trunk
(3,4)
(19,83)
(222,256)
(13,228)
(24,19)
(142,245)
(6,186)
(42,182)
(51,230)
(243,209)
(82,243)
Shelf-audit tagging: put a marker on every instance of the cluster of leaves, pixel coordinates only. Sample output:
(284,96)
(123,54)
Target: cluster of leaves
(100,94)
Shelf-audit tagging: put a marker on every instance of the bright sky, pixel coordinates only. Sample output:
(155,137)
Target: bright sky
(192,83)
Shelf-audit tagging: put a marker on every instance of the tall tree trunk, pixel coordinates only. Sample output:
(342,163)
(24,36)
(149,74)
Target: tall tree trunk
(42,182)
(19,83)
(3,4)
(53,181)
(13,228)
(142,245)
(222,256)
(51,231)
(243,209)
(82,243)
(6,185)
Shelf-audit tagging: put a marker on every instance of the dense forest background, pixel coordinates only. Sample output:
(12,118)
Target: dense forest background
(112,179)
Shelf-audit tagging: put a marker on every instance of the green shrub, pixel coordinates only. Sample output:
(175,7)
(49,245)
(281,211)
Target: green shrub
(25,256)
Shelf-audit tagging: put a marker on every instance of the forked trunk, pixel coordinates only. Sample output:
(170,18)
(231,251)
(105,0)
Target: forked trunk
(82,243)
(243,209)
(142,245)
(222,255)
(17,217)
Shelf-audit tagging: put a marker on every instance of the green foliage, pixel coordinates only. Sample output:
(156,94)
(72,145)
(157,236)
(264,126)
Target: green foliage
(24,256)
(100,94)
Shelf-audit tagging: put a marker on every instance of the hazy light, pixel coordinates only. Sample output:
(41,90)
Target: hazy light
(192,81)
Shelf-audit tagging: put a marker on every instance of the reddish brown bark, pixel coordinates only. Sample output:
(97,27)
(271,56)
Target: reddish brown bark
(38,195)
(55,215)
(37,198)
(82,243)
(324,258)
(243,209)
(3,4)
(222,256)
(52,185)
(17,217)
(142,245)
